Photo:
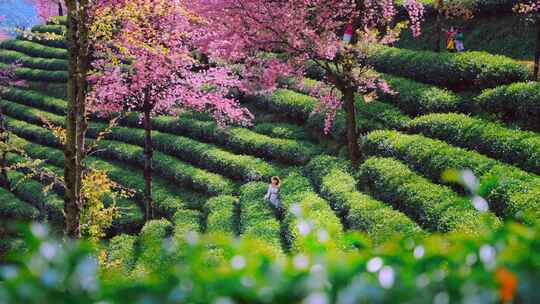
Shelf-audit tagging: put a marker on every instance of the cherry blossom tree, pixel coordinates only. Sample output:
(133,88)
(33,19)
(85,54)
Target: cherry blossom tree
(48,8)
(163,76)
(530,10)
(306,31)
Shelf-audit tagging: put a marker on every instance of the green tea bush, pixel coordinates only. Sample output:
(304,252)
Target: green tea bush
(514,102)
(308,212)
(473,70)
(257,216)
(34,49)
(153,259)
(121,252)
(7,56)
(520,148)
(50,28)
(516,192)
(52,89)
(168,167)
(221,210)
(51,205)
(358,211)
(12,208)
(434,207)
(281,130)
(415,98)
(39,75)
(36,100)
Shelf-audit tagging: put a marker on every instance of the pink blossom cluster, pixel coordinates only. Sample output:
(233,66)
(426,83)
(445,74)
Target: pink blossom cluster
(160,72)
(47,8)
(416,14)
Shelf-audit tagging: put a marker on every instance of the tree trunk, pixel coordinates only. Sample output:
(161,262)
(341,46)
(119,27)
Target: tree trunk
(148,151)
(537,51)
(60,9)
(438,30)
(352,134)
(72,196)
(4,137)
(74,150)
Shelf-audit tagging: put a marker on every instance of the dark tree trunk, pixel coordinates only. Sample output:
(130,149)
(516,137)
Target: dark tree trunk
(537,51)
(438,28)
(74,150)
(4,137)
(352,134)
(60,9)
(148,151)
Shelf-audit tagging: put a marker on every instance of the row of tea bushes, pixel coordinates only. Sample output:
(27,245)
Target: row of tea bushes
(7,56)
(34,49)
(514,194)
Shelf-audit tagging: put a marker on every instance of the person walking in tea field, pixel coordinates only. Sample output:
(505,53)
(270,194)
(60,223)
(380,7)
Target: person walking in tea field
(460,46)
(272,194)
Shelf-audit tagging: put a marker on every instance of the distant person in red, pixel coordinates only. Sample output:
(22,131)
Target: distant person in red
(451,39)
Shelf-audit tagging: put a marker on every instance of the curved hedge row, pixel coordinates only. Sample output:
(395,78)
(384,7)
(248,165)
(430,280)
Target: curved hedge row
(518,101)
(39,75)
(475,70)
(281,130)
(12,208)
(7,56)
(359,211)
(257,216)
(121,252)
(520,148)
(415,98)
(434,207)
(315,213)
(152,258)
(34,49)
(168,167)
(50,28)
(515,194)
(221,210)
(35,100)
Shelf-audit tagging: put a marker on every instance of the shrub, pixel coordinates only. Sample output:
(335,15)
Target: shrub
(50,28)
(297,192)
(35,100)
(34,49)
(416,98)
(434,207)
(516,147)
(515,102)
(515,192)
(281,130)
(7,56)
(257,216)
(185,221)
(121,252)
(455,70)
(220,212)
(39,75)
(12,208)
(153,258)
(358,211)
(52,89)
(168,166)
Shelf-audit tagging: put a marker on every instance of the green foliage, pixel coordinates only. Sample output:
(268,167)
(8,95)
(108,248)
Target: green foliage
(434,207)
(34,49)
(12,208)
(520,148)
(58,29)
(472,70)
(515,194)
(35,100)
(220,212)
(357,210)
(257,216)
(153,259)
(120,255)
(7,56)
(281,130)
(416,98)
(37,75)
(515,102)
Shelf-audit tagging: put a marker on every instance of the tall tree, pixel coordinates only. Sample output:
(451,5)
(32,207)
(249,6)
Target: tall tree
(307,31)
(530,10)
(154,38)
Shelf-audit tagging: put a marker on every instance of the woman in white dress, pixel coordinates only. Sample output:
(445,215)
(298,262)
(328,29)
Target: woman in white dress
(273,192)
